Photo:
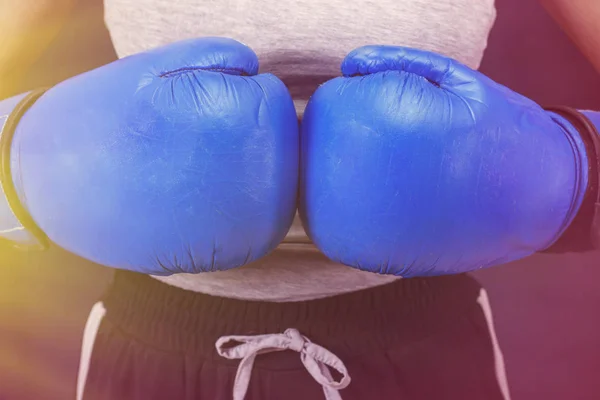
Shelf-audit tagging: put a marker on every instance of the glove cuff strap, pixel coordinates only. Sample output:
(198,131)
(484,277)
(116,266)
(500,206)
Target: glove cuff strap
(16,224)
(584,231)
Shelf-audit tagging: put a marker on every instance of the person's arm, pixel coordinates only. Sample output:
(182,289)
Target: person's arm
(580,19)
(27,27)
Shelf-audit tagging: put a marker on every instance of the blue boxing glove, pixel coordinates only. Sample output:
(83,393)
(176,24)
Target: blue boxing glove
(180,159)
(415,165)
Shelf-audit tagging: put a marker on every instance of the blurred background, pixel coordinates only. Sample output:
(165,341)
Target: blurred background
(547,308)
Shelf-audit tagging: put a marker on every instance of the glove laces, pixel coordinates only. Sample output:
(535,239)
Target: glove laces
(316,359)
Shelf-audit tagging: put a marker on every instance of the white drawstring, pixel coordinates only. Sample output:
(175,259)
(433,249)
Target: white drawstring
(316,359)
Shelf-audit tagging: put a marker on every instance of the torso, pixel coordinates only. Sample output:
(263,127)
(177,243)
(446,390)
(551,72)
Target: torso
(303,42)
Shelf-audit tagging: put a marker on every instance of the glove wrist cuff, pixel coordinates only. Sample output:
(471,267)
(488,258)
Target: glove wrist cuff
(584,231)
(16,224)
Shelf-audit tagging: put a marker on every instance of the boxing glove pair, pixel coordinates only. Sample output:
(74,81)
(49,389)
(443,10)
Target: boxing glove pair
(183,159)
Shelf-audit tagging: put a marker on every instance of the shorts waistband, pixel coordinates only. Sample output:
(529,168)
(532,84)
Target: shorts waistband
(175,319)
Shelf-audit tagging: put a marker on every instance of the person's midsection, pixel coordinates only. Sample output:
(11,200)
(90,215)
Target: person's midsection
(303,43)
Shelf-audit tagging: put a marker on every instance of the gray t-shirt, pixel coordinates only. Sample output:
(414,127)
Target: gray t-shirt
(303,42)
